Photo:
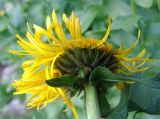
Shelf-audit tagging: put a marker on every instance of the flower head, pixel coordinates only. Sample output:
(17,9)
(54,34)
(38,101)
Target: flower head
(60,56)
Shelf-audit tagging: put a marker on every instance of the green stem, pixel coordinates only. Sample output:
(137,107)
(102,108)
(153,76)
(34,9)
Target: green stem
(92,106)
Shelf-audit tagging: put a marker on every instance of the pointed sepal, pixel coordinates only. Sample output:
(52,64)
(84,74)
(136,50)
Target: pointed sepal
(66,80)
(104,74)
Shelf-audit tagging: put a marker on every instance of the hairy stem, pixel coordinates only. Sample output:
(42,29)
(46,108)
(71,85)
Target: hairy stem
(92,106)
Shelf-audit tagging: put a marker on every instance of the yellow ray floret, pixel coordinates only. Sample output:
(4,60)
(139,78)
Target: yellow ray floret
(45,52)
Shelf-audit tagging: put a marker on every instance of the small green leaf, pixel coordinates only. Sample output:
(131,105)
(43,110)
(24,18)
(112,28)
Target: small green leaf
(102,73)
(144,3)
(66,80)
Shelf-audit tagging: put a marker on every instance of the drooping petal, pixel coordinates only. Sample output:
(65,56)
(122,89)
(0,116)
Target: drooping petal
(129,50)
(137,58)
(106,34)
(68,102)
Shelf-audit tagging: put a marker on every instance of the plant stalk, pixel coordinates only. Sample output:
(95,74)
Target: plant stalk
(92,106)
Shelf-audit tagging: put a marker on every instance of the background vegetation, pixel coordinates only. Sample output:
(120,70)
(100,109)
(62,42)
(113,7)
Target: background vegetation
(127,17)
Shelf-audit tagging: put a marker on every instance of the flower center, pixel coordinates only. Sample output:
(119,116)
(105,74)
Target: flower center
(76,59)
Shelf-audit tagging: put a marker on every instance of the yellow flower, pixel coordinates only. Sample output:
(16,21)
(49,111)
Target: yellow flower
(57,56)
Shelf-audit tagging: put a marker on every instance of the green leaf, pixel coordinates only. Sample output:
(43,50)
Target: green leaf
(121,36)
(102,73)
(103,103)
(95,33)
(124,22)
(115,8)
(6,95)
(144,99)
(158,3)
(88,15)
(144,3)
(16,16)
(3,23)
(41,114)
(66,80)
(120,111)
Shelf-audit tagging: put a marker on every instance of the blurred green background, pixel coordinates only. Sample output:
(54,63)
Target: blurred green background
(127,17)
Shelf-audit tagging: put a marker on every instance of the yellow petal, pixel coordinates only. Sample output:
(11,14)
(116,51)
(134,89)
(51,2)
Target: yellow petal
(137,58)
(68,102)
(58,28)
(129,50)
(106,34)
(73,25)
(48,22)
(120,86)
